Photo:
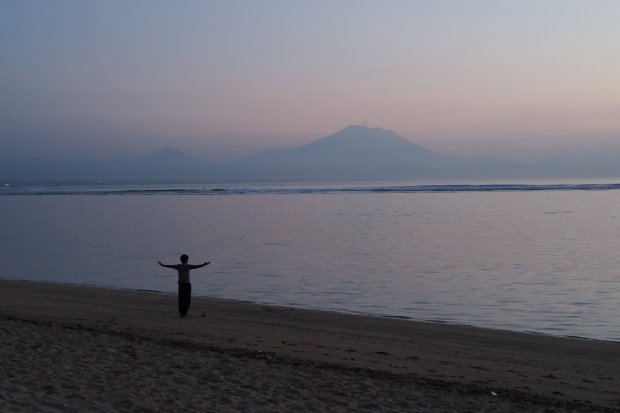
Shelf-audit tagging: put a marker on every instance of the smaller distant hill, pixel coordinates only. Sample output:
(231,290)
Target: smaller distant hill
(169,155)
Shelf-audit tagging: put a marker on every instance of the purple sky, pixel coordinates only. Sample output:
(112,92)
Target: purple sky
(513,79)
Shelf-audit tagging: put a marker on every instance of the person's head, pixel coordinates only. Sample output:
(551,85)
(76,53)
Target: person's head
(184,258)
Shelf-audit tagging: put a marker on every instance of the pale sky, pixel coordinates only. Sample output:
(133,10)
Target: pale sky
(520,78)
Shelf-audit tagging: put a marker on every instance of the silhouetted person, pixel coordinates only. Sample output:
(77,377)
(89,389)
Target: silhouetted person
(185,287)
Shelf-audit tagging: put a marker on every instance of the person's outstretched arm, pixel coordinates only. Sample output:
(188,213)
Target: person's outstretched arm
(200,265)
(165,265)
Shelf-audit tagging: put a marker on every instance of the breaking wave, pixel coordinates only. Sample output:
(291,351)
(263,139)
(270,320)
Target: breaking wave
(300,189)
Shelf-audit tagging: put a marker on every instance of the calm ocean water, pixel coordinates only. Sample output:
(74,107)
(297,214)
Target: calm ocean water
(543,258)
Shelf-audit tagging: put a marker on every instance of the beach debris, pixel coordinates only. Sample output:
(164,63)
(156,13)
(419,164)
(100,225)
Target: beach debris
(493,393)
(605,378)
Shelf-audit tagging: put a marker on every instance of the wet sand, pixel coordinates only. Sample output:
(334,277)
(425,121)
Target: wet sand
(76,348)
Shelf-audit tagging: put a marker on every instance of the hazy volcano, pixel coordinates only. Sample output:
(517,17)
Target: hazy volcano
(354,153)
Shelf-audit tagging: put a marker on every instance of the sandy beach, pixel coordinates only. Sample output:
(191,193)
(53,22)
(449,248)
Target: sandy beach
(78,348)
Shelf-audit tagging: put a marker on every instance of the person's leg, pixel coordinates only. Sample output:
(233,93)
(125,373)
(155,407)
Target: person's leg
(188,298)
(185,293)
(181,300)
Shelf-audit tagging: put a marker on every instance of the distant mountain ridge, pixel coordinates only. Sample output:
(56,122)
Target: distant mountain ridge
(355,153)
(165,165)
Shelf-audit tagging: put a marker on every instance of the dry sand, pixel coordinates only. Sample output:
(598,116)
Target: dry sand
(76,348)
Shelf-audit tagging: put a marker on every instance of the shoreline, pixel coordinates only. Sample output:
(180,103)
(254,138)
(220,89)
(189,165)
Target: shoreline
(301,307)
(551,371)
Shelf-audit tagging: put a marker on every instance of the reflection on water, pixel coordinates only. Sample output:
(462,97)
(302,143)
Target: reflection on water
(544,261)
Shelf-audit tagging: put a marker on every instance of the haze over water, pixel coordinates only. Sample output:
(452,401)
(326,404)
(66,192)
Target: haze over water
(528,260)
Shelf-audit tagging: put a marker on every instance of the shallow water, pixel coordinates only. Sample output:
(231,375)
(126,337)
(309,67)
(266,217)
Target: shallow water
(527,260)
